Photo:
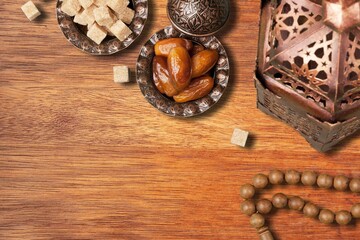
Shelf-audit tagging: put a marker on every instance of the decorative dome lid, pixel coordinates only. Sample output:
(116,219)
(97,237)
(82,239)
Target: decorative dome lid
(200,17)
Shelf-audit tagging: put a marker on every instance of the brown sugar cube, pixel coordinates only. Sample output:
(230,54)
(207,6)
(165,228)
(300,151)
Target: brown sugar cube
(239,137)
(118,5)
(108,31)
(89,26)
(71,7)
(79,18)
(86,16)
(30,10)
(120,30)
(96,33)
(121,74)
(86,3)
(126,16)
(103,16)
(100,3)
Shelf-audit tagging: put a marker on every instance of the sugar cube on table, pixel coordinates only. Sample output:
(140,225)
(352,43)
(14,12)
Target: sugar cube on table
(30,10)
(70,7)
(120,30)
(96,33)
(118,5)
(126,16)
(103,16)
(121,74)
(239,137)
(86,3)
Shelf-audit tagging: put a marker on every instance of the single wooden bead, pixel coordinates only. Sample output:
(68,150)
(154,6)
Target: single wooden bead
(292,177)
(308,178)
(311,210)
(325,181)
(264,206)
(257,220)
(260,181)
(355,185)
(276,177)
(296,203)
(247,191)
(248,207)
(341,183)
(355,210)
(343,217)
(265,234)
(279,200)
(326,216)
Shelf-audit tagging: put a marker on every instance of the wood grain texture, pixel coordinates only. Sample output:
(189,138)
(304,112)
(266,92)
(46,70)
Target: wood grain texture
(84,158)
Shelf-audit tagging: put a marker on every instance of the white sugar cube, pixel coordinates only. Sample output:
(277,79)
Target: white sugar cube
(96,33)
(121,74)
(126,16)
(103,16)
(118,5)
(120,30)
(239,137)
(30,10)
(86,3)
(71,7)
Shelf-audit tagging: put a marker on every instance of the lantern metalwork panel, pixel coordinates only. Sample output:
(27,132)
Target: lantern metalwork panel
(308,67)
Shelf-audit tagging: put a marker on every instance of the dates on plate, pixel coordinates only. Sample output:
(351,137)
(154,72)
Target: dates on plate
(182,69)
(179,66)
(161,76)
(198,88)
(163,47)
(196,49)
(203,62)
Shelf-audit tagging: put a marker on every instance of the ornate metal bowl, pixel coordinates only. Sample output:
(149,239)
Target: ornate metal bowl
(168,105)
(110,45)
(199,17)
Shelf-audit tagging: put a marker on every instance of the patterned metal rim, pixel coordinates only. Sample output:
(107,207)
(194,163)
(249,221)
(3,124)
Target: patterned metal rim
(167,105)
(107,47)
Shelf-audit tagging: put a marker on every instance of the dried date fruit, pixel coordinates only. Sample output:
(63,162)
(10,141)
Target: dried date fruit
(198,88)
(161,75)
(163,47)
(179,66)
(203,62)
(196,49)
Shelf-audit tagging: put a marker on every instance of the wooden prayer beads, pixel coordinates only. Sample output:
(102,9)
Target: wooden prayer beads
(280,200)
(311,210)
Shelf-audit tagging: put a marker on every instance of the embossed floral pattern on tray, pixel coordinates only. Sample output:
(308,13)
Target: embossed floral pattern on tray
(168,105)
(110,45)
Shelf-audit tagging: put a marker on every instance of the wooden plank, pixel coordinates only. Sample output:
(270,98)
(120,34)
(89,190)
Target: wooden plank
(84,158)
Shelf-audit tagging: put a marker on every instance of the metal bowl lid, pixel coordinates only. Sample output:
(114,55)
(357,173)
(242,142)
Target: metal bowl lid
(198,18)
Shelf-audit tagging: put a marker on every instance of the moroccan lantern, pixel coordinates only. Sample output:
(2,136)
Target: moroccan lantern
(308,67)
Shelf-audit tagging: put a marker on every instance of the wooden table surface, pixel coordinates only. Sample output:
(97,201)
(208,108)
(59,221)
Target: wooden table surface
(84,158)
